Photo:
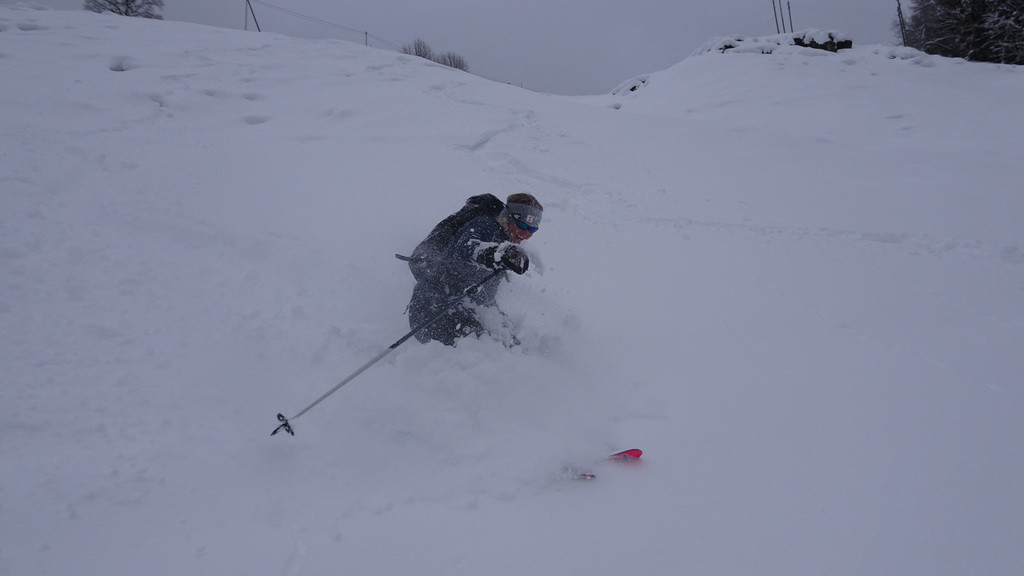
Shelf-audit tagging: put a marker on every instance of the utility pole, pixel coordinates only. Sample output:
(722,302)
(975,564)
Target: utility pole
(903,23)
(790,9)
(776,14)
(248,10)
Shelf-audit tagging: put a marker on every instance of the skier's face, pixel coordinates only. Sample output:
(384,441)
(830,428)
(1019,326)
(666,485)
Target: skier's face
(517,232)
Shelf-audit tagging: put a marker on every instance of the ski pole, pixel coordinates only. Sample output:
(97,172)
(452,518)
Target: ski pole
(285,422)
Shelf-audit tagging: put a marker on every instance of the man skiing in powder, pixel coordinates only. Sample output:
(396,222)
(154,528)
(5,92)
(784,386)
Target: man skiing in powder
(488,241)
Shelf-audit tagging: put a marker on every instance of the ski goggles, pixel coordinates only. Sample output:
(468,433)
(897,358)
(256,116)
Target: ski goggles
(524,226)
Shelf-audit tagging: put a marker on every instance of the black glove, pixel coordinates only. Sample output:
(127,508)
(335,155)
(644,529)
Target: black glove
(515,259)
(485,257)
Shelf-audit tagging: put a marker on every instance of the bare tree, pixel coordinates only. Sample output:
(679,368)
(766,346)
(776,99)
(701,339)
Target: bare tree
(454,60)
(419,48)
(139,8)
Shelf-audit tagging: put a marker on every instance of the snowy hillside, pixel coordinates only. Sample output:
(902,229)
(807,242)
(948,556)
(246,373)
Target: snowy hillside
(796,280)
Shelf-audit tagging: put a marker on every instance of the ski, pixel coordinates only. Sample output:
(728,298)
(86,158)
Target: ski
(625,457)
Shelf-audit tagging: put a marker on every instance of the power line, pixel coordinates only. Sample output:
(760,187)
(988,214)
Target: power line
(365,34)
(323,22)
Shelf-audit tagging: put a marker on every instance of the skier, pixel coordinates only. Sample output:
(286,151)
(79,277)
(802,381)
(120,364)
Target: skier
(462,250)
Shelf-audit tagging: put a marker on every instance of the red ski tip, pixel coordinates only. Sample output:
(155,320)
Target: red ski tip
(627,455)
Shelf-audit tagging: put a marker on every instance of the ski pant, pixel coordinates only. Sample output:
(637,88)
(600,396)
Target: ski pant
(457,322)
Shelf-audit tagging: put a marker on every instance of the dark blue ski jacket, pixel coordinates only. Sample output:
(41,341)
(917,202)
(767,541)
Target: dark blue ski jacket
(449,274)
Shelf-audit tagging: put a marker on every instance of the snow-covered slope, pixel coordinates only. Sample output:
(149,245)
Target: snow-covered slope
(795,280)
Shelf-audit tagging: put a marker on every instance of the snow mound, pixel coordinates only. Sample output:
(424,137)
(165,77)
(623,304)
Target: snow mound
(830,40)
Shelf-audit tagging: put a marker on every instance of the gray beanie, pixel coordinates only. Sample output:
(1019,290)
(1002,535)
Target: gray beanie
(525,213)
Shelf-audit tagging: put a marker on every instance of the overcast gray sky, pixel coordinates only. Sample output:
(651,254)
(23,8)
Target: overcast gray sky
(557,46)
